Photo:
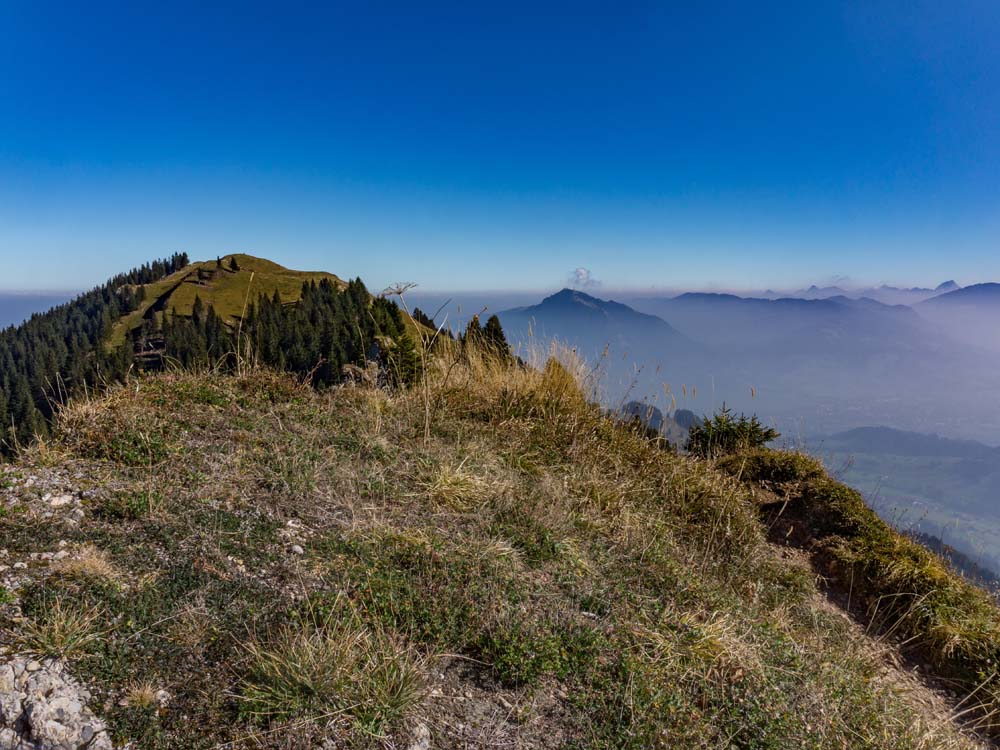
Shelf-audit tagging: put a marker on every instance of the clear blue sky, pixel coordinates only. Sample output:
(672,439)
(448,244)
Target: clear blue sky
(501,145)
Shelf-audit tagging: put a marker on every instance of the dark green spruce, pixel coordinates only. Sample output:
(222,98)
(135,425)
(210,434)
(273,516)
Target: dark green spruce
(60,352)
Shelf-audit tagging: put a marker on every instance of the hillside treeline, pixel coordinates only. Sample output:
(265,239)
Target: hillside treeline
(62,352)
(328,328)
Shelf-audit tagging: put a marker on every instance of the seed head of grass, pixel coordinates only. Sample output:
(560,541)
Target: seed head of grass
(141,694)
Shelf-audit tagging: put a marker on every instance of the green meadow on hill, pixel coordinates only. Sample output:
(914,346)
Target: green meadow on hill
(219,284)
(221,315)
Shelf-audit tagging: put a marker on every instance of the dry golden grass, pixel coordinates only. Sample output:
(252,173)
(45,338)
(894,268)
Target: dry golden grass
(63,630)
(89,563)
(336,667)
(141,694)
(192,626)
(456,487)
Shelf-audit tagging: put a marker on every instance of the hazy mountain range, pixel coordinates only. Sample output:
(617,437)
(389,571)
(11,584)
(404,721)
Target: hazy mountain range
(890,295)
(811,366)
(971,314)
(593,324)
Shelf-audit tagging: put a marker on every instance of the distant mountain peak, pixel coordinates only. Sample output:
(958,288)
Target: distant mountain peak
(571,298)
(820,291)
(567,293)
(571,314)
(947,286)
(988,292)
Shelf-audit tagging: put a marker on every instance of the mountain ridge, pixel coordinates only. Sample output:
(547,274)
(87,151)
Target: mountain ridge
(589,322)
(987,291)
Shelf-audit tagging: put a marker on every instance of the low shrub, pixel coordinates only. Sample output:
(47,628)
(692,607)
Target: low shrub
(725,434)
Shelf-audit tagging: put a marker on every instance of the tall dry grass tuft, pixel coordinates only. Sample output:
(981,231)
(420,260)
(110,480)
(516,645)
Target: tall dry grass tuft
(333,667)
(88,563)
(62,631)
(456,487)
(541,383)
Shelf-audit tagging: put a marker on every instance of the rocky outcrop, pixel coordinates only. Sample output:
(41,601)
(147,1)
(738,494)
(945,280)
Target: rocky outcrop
(43,708)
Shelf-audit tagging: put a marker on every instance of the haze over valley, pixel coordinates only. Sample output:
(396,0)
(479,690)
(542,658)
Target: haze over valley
(814,364)
(16,307)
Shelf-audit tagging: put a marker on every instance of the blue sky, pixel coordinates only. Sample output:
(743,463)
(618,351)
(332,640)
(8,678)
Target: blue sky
(500,146)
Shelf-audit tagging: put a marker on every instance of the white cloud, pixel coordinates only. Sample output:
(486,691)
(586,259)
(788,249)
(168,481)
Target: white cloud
(582,278)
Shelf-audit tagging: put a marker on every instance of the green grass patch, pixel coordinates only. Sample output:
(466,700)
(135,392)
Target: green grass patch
(333,666)
(130,505)
(462,600)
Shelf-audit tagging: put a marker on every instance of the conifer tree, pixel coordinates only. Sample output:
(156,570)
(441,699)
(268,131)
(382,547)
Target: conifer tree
(197,311)
(423,318)
(404,361)
(494,338)
(473,332)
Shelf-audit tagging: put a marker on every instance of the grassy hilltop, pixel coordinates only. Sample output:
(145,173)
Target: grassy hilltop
(487,561)
(221,285)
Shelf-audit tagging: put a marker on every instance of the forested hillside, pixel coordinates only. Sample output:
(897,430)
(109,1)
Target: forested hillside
(59,352)
(164,314)
(328,327)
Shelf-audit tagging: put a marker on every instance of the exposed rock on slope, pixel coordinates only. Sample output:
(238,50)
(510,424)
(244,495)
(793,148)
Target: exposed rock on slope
(42,708)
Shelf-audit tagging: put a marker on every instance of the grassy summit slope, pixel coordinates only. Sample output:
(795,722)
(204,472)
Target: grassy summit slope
(226,290)
(249,563)
(894,584)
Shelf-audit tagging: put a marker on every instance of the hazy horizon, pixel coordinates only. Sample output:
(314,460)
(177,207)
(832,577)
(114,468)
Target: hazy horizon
(594,286)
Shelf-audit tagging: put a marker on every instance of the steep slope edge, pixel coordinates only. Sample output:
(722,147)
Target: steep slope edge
(893,584)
